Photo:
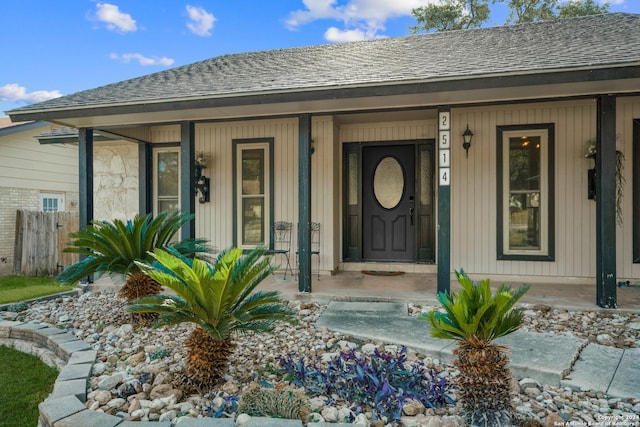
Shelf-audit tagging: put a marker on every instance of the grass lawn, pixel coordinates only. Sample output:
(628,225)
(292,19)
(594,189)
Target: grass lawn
(26,382)
(20,288)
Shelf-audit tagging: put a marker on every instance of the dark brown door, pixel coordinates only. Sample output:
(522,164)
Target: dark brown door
(388,202)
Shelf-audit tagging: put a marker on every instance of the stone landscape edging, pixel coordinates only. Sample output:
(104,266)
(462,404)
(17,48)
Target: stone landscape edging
(65,407)
(71,293)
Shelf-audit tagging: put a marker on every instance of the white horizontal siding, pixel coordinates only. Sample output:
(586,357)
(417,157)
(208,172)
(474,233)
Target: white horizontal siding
(25,163)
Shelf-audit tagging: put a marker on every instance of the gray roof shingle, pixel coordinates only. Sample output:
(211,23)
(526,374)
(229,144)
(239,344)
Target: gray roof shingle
(579,43)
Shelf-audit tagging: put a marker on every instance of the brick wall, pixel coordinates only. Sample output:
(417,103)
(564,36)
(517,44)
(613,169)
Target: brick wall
(12,200)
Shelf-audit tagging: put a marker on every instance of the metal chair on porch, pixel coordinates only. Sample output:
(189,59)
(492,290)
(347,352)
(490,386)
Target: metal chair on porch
(282,243)
(315,245)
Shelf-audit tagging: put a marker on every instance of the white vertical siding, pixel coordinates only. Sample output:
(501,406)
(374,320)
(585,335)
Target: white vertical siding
(214,220)
(474,186)
(168,133)
(391,131)
(325,191)
(628,110)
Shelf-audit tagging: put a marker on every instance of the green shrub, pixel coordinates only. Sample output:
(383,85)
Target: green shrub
(263,402)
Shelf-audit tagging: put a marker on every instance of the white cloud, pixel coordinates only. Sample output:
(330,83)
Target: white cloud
(110,14)
(142,60)
(200,21)
(336,35)
(365,18)
(14,92)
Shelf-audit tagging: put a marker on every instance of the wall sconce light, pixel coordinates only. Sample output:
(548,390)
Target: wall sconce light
(202,186)
(467,136)
(201,183)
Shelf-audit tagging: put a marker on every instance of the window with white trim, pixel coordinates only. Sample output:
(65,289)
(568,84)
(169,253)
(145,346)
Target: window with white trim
(525,192)
(166,182)
(254,191)
(51,202)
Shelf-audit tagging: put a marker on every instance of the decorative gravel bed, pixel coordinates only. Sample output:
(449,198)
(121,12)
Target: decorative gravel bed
(133,376)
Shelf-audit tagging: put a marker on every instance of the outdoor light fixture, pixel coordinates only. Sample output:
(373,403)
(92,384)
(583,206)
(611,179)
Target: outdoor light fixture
(467,136)
(201,183)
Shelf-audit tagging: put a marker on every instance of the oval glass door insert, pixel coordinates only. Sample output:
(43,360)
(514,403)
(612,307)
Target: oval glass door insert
(388,182)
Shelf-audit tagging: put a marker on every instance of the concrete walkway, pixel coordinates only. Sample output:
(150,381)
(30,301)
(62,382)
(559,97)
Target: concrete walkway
(550,359)
(422,289)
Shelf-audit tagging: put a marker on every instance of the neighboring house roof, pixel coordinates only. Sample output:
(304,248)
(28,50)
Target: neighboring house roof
(65,134)
(7,127)
(576,44)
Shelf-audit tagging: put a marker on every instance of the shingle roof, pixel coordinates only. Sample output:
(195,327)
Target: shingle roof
(578,43)
(8,128)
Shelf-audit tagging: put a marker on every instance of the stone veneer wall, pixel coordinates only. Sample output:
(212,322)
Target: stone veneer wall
(115,182)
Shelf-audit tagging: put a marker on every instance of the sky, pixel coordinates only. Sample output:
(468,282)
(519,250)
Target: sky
(55,48)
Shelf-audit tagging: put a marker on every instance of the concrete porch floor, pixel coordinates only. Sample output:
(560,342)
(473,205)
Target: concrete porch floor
(421,288)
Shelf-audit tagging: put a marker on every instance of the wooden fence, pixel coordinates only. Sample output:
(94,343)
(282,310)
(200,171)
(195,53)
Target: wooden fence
(40,240)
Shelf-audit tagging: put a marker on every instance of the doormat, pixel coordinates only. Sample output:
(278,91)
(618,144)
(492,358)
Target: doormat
(382,273)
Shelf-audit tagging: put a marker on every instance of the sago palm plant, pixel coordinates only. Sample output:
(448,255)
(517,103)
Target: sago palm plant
(219,298)
(114,247)
(475,318)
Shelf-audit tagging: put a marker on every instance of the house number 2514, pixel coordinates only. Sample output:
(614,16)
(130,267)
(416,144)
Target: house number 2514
(444,158)
(444,176)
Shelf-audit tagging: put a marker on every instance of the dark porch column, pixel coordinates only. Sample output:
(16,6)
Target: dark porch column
(606,202)
(187,176)
(444,203)
(85,165)
(304,202)
(145,204)
(85,184)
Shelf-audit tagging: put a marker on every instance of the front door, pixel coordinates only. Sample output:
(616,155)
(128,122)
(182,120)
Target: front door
(388,202)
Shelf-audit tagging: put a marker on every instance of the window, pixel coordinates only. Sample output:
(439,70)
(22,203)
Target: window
(253,192)
(525,192)
(50,202)
(166,180)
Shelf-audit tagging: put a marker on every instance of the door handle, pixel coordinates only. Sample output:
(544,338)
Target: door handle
(411,215)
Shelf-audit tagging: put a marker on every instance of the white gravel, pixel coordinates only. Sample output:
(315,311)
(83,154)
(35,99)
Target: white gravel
(133,373)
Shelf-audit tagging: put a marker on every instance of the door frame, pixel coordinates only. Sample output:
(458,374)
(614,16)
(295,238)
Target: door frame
(352,200)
